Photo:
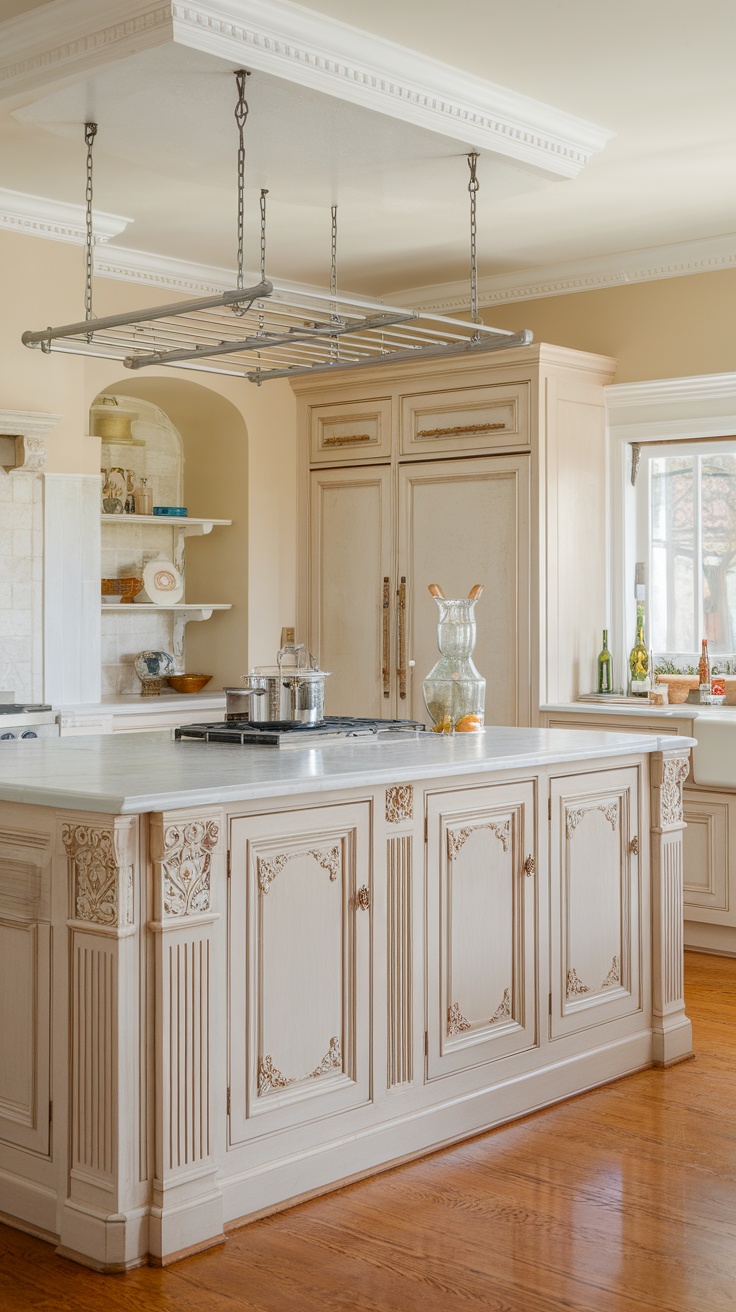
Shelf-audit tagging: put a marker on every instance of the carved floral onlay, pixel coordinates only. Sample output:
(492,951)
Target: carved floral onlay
(503,1010)
(573,815)
(457,838)
(613,976)
(675,772)
(456,1022)
(187,864)
(399,803)
(328,858)
(575,985)
(270,1077)
(103,887)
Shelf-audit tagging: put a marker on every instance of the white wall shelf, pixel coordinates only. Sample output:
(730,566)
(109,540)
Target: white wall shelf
(190,526)
(194,610)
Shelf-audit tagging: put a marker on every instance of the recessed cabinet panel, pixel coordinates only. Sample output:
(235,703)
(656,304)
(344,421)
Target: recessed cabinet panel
(25,1002)
(464,522)
(299,960)
(350,431)
(465,420)
(481,925)
(352,589)
(594,899)
(708,851)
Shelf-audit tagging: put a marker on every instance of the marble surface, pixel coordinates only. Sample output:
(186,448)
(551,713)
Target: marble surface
(129,704)
(125,774)
(683,710)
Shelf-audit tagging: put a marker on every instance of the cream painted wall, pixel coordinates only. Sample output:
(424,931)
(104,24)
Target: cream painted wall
(667,329)
(43,283)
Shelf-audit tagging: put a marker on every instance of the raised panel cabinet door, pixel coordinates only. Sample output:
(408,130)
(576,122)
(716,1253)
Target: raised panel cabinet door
(463,420)
(595,899)
(351,588)
(299,936)
(709,852)
(25,1010)
(350,432)
(464,522)
(481,893)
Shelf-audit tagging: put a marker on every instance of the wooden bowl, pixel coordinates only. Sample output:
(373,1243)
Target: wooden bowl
(679,686)
(188,682)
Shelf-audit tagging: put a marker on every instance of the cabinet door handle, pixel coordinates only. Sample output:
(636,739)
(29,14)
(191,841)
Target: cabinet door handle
(363,897)
(385,653)
(402,639)
(529,866)
(635,845)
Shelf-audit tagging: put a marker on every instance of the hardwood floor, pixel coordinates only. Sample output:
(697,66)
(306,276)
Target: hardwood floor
(622,1200)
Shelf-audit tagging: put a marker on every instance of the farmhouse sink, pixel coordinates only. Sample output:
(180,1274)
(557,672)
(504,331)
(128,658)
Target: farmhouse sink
(714,757)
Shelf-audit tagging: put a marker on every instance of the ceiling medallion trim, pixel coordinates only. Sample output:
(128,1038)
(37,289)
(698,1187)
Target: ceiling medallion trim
(314,50)
(340,59)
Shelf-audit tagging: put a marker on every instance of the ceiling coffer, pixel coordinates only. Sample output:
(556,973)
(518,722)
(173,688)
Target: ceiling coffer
(270,330)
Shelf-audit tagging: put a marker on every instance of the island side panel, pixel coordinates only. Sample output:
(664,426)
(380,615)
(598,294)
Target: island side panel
(103,1214)
(671,1029)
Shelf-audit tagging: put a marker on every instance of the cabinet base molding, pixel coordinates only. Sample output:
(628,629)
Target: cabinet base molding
(110,1244)
(28,1207)
(717,939)
(264,1190)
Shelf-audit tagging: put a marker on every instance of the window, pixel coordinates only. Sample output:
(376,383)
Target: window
(686,520)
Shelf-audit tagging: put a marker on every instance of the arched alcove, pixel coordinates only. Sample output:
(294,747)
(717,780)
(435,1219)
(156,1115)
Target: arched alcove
(214,444)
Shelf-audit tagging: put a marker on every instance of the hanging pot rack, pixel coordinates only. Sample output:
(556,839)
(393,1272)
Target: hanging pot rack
(270,330)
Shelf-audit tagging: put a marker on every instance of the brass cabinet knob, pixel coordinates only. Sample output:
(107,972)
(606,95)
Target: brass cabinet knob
(530,865)
(363,898)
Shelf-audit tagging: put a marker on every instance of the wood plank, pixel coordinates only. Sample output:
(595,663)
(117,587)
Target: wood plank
(621,1200)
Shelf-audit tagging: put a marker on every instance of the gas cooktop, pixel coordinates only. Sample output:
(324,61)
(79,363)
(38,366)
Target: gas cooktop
(22,708)
(334,728)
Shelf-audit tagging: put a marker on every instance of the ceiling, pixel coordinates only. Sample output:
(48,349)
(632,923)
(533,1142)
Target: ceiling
(658,76)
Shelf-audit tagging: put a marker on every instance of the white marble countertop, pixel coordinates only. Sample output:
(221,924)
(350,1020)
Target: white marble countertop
(128,773)
(682,710)
(130,704)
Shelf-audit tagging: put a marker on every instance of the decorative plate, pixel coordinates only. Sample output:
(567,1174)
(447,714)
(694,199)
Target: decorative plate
(162,583)
(154,664)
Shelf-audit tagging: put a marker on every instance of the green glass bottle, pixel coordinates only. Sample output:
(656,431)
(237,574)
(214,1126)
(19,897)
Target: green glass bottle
(605,666)
(639,659)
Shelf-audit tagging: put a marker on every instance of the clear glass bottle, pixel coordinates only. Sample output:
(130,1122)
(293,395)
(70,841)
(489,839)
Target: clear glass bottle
(605,667)
(704,667)
(639,682)
(454,691)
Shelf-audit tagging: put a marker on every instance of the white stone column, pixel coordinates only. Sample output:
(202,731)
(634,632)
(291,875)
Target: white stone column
(671,1029)
(190,1059)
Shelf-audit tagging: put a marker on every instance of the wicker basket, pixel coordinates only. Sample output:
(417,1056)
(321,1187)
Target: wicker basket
(679,686)
(126,589)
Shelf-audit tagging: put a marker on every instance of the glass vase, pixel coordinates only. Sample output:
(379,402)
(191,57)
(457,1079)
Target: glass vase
(454,691)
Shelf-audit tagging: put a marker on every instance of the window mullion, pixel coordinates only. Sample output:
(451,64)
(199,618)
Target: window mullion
(698,545)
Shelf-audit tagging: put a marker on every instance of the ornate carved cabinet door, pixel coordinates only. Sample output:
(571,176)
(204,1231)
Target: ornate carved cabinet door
(299,939)
(481,886)
(595,899)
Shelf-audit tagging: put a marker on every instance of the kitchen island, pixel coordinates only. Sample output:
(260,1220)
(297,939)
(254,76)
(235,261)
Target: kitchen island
(234,976)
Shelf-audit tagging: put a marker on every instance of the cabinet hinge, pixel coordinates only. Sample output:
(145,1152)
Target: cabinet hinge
(426,829)
(229,863)
(426,1043)
(51,1112)
(549,808)
(550,1004)
(228,1102)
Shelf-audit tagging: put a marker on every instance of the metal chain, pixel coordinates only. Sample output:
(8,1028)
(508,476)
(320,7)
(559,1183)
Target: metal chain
(241,114)
(335,341)
(264,193)
(473,187)
(90,132)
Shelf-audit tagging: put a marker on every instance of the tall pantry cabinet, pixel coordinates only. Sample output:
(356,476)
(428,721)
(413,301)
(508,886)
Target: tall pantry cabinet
(485,469)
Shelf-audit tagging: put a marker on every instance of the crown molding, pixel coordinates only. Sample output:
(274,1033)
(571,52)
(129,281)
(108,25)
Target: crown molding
(660,409)
(36,216)
(73,39)
(706,255)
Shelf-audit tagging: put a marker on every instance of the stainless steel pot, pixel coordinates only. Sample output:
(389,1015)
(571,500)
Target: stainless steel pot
(290,693)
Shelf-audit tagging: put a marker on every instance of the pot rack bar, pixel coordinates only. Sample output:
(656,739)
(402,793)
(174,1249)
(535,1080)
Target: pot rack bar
(278,332)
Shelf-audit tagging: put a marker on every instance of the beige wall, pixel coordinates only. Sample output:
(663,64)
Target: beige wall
(253,472)
(667,329)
